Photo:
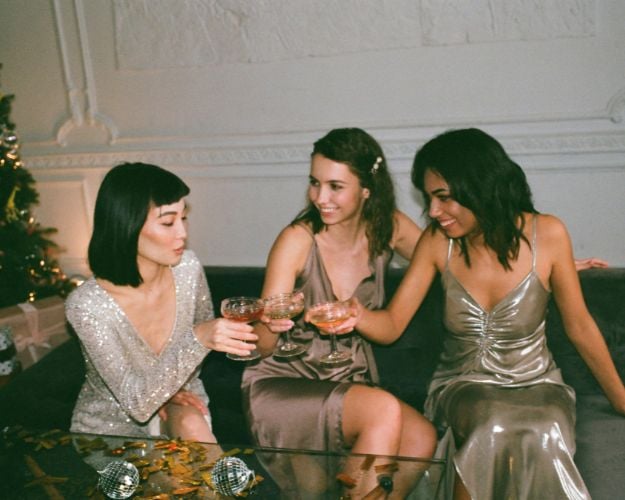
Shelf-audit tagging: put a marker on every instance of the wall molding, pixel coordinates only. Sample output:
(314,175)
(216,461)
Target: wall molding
(84,116)
(557,147)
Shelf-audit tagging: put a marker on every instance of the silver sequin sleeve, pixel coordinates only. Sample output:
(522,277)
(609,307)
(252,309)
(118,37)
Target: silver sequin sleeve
(126,382)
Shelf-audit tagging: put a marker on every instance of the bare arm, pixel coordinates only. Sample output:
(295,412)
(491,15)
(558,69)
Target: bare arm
(284,263)
(406,234)
(578,323)
(386,325)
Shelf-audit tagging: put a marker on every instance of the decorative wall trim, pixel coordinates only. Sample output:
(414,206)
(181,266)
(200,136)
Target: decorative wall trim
(616,107)
(79,97)
(278,155)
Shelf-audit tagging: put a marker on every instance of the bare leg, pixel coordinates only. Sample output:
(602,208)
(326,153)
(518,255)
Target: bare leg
(311,478)
(186,422)
(418,440)
(460,491)
(375,422)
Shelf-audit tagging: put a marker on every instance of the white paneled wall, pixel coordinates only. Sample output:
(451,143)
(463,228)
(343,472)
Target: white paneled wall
(230,94)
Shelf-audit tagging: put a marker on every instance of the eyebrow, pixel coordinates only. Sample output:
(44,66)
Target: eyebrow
(336,181)
(172,212)
(440,190)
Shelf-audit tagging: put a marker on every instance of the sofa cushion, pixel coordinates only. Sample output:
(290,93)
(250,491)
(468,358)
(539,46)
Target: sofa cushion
(600,456)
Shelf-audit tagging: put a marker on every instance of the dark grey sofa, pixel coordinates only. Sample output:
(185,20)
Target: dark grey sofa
(43,396)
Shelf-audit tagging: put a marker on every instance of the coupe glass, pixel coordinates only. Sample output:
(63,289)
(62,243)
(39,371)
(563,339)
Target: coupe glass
(282,306)
(245,310)
(327,317)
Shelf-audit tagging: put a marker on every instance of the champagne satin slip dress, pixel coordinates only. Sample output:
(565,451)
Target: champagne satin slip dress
(298,403)
(508,417)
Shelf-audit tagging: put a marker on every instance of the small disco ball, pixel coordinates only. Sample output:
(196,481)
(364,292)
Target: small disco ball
(119,479)
(231,476)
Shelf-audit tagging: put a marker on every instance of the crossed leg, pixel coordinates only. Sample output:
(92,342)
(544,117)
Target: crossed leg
(376,422)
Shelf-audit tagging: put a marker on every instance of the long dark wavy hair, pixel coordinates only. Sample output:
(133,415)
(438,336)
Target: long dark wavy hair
(481,177)
(360,152)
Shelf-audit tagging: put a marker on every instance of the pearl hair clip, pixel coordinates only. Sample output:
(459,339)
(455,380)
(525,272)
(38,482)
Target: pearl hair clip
(376,165)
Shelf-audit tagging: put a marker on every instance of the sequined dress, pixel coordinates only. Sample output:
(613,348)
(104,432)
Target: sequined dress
(508,417)
(126,382)
(298,403)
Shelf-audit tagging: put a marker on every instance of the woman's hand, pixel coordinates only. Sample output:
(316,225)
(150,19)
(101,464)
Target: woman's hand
(278,326)
(347,326)
(226,336)
(581,264)
(183,398)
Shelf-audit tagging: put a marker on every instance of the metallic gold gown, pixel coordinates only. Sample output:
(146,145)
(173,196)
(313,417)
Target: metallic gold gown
(508,417)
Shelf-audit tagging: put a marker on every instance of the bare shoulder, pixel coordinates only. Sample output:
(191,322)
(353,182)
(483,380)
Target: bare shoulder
(296,237)
(290,249)
(550,229)
(433,246)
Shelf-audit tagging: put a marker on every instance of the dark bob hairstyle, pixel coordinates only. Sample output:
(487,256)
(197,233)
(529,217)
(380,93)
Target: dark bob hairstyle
(365,159)
(481,177)
(125,197)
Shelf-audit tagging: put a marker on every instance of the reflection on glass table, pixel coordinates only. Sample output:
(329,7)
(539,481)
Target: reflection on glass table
(55,464)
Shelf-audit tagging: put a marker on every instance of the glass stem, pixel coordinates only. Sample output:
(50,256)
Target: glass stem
(287,338)
(333,343)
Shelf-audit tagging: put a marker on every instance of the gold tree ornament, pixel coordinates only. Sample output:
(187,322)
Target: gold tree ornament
(10,211)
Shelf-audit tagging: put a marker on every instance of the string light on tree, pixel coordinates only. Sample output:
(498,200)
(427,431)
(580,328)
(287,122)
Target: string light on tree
(28,269)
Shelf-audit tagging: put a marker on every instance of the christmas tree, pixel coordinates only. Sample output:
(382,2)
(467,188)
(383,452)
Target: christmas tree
(28,269)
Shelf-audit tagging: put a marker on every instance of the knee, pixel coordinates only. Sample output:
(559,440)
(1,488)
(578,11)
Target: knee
(187,423)
(374,407)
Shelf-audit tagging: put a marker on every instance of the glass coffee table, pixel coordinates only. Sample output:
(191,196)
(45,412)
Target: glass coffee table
(61,465)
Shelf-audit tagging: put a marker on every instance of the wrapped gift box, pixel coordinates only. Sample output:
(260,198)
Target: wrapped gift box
(37,327)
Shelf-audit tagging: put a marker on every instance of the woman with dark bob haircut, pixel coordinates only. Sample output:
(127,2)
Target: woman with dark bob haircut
(340,245)
(145,319)
(507,416)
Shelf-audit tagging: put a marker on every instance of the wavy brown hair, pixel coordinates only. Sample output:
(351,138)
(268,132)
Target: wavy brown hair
(359,151)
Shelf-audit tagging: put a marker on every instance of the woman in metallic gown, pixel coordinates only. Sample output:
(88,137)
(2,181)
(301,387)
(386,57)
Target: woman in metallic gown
(507,416)
(145,320)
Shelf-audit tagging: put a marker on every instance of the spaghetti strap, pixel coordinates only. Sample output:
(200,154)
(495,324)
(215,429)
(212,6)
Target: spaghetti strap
(534,249)
(449,250)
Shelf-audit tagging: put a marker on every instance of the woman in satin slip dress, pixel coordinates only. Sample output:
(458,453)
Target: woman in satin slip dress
(145,320)
(507,415)
(338,247)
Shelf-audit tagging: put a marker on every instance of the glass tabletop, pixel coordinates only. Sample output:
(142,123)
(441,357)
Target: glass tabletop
(56,464)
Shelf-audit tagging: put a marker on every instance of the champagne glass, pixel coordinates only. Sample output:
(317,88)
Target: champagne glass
(282,306)
(245,310)
(327,317)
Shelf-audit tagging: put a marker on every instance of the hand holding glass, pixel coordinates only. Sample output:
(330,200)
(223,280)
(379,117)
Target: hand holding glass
(328,317)
(283,306)
(244,310)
